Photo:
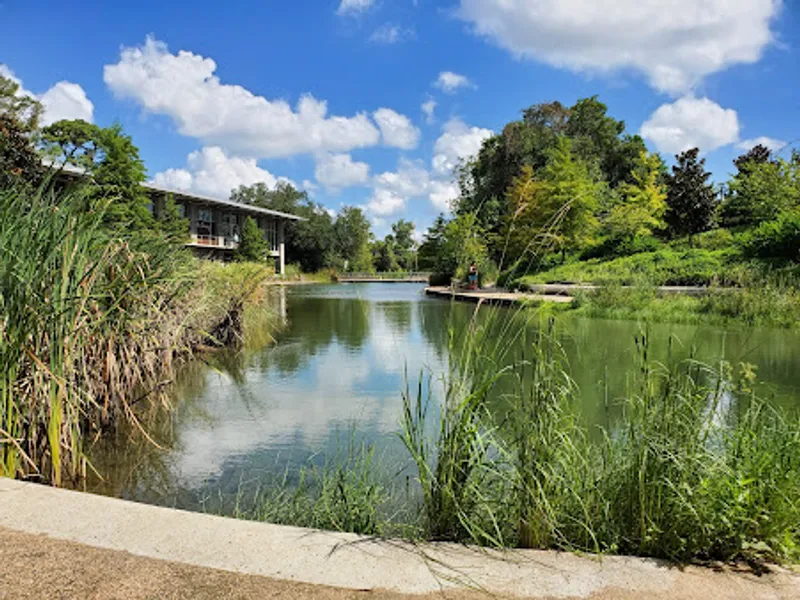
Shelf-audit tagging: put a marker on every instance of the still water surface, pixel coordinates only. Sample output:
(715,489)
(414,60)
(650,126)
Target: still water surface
(338,369)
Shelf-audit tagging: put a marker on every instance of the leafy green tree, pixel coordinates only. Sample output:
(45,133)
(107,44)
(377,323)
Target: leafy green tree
(352,240)
(759,154)
(568,198)
(112,163)
(641,205)
(761,190)
(691,200)
(599,141)
(432,244)
(383,256)
(25,110)
(174,226)
(19,117)
(309,242)
(19,162)
(403,243)
(253,246)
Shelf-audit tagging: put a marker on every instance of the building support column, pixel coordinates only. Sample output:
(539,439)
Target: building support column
(281,248)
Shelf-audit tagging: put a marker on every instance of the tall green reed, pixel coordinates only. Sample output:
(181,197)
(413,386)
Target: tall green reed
(91,323)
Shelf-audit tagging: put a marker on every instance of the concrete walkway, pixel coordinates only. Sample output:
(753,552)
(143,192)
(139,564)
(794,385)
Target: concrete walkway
(494,296)
(350,562)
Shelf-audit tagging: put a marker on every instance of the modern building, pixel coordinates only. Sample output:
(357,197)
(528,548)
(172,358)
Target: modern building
(215,225)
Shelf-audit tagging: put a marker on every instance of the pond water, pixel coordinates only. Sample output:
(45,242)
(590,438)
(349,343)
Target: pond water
(338,369)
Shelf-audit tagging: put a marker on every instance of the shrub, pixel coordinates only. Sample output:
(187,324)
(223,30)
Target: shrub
(776,239)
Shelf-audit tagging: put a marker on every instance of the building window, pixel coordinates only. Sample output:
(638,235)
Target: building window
(229,225)
(270,227)
(205,222)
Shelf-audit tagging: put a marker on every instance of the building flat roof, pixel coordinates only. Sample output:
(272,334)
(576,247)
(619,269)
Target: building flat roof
(216,201)
(69,169)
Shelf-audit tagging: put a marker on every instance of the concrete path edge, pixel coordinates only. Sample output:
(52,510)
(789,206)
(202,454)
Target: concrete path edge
(358,562)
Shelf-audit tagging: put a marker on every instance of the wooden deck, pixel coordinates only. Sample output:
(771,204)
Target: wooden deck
(494,296)
(384,278)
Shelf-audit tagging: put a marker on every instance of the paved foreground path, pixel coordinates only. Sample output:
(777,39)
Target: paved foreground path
(62,544)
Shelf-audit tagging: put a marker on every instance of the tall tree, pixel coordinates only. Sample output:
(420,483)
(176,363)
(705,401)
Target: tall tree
(757,155)
(352,240)
(111,161)
(691,199)
(403,243)
(310,242)
(20,164)
(383,255)
(24,109)
(568,198)
(432,244)
(19,116)
(641,205)
(761,191)
(253,246)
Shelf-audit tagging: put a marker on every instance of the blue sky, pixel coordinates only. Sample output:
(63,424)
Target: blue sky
(330,93)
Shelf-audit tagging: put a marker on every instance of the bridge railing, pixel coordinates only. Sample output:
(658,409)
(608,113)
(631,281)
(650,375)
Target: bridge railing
(408,275)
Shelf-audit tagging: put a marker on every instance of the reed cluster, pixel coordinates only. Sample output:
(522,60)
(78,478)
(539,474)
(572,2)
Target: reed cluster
(91,324)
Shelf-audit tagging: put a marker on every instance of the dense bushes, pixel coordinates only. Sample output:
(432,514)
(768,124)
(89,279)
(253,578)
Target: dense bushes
(776,239)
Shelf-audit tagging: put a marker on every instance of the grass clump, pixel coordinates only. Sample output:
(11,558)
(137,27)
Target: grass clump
(696,467)
(343,494)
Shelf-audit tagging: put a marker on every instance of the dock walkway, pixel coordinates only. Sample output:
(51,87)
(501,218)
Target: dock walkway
(494,296)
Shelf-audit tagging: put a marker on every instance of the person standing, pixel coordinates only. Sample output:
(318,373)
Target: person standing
(473,276)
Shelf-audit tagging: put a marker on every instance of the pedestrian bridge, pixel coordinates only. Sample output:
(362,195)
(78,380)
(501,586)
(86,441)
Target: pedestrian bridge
(401,277)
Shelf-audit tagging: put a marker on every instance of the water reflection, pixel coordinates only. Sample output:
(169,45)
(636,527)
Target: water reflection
(340,362)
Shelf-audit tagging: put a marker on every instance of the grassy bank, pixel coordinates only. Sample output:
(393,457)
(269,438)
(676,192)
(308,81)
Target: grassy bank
(92,324)
(749,291)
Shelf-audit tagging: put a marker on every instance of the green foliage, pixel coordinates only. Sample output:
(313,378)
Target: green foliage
(310,242)
(352,240)
(253,246)
(761,191)
(383,256)
(684,474)
(402,240)
(20,165)
(172,224)
(112,164)
(344,494)
(779,238)
(640,206)
(23,109)
(663,267)
(691,200)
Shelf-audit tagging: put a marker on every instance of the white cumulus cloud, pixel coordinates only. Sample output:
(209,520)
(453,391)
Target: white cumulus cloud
(442,194)
(64,100)
(675,44)
(339,171)
(429,108)
(212,172)
(396,129)
(691,122)
(459,141)
(391,34)
(450,82)
(348,7)
(767,142)
(184,87)
(392,189)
